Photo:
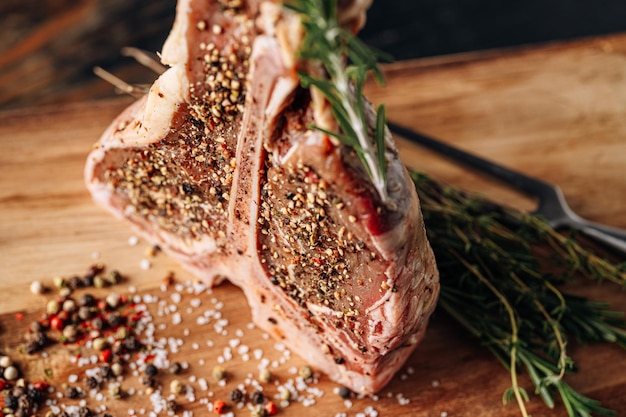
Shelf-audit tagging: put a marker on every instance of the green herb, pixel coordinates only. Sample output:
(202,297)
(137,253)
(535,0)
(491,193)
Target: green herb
(328,44)
(492,262)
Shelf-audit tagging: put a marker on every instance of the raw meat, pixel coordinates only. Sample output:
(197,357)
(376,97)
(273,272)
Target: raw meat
(216,165)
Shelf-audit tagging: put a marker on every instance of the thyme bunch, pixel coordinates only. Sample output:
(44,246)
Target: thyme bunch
(328,44)
(494,284)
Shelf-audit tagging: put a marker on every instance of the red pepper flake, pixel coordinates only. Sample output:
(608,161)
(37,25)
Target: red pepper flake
(3,384)
(270,408)
(106,356)
(219,407)
(19,316)
(148,358)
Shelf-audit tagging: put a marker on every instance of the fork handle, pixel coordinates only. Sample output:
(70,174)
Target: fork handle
(612,238)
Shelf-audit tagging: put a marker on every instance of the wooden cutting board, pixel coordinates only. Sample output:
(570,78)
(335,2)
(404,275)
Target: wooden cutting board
(557,112)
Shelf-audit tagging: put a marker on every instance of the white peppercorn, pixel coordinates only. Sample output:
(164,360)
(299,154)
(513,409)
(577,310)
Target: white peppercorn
(10,373)
(69,305)
(5,362)
(117,369)
(53,307)
(36,287)
(176,387)
(100,344)
(113,300)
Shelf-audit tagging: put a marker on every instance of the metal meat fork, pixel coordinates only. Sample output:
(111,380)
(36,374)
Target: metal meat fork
(552,205)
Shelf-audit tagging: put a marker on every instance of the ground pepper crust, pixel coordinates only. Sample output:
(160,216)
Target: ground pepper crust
(183,182)
(166,183)
(307,246)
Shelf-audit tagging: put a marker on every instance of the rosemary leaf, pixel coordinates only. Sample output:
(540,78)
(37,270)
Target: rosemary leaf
(328,45)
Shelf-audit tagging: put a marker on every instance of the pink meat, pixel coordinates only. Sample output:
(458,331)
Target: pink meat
(217,166)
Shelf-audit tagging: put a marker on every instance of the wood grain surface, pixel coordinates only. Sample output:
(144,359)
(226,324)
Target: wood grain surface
(557,112)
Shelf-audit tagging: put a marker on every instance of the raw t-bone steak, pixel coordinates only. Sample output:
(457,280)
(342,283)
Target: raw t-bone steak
(217,164)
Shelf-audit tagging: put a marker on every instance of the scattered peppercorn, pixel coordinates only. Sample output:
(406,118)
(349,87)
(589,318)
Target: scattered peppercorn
(10,402)
(236,395)
(306,372)
(176,387)
(219,407)
(11,373)
(147,381)
(265,375)
(115,319)
(53,307)
(92,382)
(151,370)
(270,408)
(84,412)
(131,343)
(257,397)
(105,371)
(219,372)
(115,390)
(117,369)
(285,394)
(72,392)
(59,282)
(176,368)
(258,411)
(172,406)
(344,392)
(86,300)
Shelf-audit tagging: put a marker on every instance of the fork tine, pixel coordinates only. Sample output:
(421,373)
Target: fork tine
(552,204)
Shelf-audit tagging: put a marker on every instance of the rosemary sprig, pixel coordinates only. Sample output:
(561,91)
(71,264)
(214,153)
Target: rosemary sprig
(494,285)
(328,44)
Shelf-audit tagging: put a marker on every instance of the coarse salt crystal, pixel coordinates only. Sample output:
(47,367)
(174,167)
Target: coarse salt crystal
(133,240)
(145,264)
(176,318)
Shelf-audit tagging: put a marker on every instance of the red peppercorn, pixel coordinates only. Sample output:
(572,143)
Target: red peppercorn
(56,323)
(40,385)
(3,384)
(106,355)
(219,407)
(270,408)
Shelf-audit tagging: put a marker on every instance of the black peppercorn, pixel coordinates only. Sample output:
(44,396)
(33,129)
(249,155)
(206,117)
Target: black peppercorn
(131,343)
(84,412)
(105,371)
(31,347)
(86,300)
(74,282)
(151,370)
(36,327)
(115,319)
(171,406)
(236,395)
(345,393)
(34,395)
(72,392)
(176,368)
(147,381)
(97,323)
(257,397)
(10,402)
(91,382)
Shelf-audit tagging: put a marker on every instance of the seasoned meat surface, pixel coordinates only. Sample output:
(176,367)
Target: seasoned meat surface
(217,165)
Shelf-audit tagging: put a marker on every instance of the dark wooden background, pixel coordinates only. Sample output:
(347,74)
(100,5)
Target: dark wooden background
(49,47)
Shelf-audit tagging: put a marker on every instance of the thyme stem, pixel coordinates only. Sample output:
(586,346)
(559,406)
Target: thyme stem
(492,260)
